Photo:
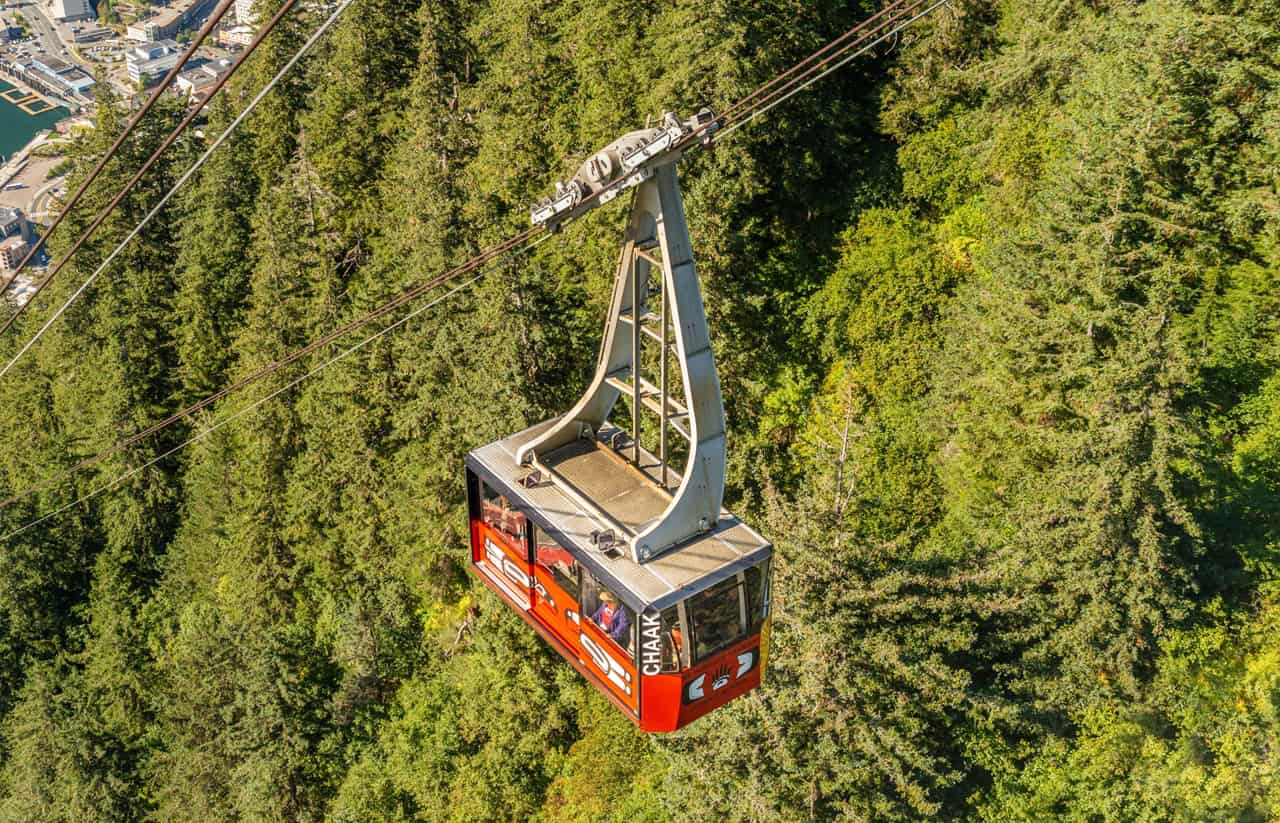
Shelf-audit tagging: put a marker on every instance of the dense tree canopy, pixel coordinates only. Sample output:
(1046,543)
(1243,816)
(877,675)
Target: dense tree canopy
(997,316)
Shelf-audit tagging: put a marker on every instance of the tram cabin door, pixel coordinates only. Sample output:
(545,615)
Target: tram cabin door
(592,622)
(557,590)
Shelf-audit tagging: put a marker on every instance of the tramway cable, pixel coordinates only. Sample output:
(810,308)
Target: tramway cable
(840,63)
(195,438)
(315,37)
(889,21)
(196,42)
(868,33)
(133,181)
(405,297)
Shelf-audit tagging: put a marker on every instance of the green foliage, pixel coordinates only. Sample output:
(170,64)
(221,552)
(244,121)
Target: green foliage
(997,320)
(1202,746)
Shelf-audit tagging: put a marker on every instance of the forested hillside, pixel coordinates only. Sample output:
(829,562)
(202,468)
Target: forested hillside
(997,315)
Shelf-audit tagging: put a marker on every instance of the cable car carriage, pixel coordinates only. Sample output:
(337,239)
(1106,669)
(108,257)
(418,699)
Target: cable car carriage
(630,569)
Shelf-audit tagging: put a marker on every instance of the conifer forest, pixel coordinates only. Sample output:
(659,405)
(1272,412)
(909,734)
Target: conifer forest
(996,312)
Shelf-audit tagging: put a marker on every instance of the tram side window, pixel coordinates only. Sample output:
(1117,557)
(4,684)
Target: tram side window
(717,618)
(496,512)
(556,560)
(674,657)
(607,611)
(757,593)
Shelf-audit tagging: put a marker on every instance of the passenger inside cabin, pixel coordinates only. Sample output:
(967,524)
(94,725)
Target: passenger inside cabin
(497,512)
(672,658)
(612,617)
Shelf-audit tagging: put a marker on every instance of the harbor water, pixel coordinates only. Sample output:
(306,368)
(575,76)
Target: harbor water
(17,127)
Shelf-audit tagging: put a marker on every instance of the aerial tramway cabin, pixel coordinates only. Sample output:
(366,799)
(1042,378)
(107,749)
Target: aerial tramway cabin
(628,567)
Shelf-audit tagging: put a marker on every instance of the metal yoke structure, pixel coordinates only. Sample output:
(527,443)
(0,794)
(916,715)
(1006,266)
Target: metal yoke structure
(656,243)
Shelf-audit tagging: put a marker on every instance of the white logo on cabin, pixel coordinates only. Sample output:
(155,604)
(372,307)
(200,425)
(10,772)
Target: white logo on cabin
(605,663)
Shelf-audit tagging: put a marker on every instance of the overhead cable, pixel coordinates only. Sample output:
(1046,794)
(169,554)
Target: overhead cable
(774,100)
(164,146)
(226,421)
(324,27)
(160,89)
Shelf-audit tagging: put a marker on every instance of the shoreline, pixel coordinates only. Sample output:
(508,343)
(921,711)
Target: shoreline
(15,164)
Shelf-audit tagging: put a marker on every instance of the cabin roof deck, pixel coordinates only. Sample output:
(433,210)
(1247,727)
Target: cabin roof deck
(625,494)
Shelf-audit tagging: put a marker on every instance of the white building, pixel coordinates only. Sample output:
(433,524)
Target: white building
(71,9)
(150,62)
(244,12)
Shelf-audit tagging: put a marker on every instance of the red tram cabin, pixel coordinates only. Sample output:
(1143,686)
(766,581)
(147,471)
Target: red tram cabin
(690,630)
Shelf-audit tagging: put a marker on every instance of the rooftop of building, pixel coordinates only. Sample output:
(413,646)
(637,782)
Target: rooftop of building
(166,17)
(53,64)
(152,51)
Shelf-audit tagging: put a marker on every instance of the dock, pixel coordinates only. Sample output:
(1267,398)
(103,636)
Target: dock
(31,102)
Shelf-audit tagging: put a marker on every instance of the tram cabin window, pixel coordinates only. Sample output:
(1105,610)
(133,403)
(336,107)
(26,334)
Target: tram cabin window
(606,610)
(719,617)
(757,578)
(496,512)
(551,556)
(674,640)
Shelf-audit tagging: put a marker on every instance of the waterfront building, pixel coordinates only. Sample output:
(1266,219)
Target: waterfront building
(61,73)
(244,12)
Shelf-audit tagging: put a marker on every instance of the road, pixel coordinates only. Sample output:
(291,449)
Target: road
(38,210)
(33,177)
(47,36)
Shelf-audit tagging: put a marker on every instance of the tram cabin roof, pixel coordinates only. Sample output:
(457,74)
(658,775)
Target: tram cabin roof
(630,497)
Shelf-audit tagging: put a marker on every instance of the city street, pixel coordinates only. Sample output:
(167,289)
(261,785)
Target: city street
(47,36)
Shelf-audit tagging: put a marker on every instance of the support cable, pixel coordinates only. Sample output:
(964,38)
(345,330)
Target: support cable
(889,22)
(196,42)
(226,421)
(164,146)
(858,52)
(407,296)
(804,65)
(324,27)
